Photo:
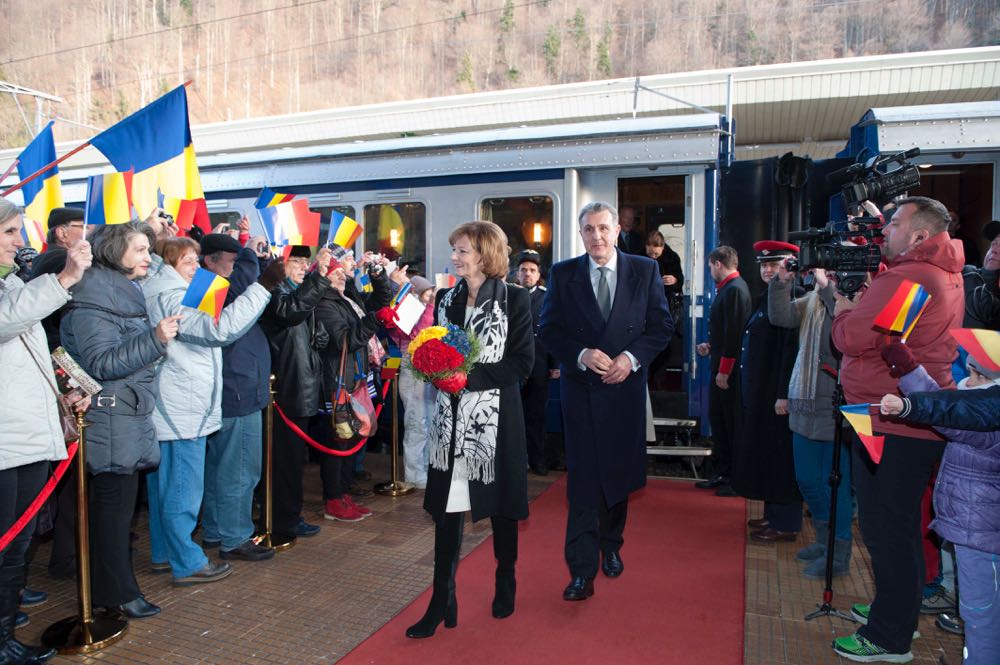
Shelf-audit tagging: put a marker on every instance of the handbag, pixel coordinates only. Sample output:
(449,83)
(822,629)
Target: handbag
(353,411)
(67,419)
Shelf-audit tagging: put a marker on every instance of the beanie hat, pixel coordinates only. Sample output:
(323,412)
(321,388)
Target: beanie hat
(420,284)
(974,364)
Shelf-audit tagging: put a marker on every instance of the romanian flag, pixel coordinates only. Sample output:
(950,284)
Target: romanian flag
(33,235)
(155,142)
(268,197)
(859,415)
(365,283)
(207,292)
(904,308)
(109,198)
(187,214)
(291,223)
(983,345)
(43,193)
(344,231)
(390,367)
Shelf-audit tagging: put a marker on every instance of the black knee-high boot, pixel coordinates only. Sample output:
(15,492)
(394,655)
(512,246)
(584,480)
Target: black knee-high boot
(505,550)
(443,605)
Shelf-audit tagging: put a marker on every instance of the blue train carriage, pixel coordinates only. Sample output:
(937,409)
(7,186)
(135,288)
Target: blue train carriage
(410,192)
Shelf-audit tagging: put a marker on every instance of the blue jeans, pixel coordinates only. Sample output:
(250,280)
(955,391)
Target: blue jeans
(813,463)
(232,469)
(979,604)
(175,491)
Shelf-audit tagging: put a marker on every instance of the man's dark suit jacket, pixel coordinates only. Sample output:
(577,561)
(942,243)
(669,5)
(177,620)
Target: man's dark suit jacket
(605,425)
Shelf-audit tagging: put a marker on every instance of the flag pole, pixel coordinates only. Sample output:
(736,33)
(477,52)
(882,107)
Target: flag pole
(49,167)
(10,169)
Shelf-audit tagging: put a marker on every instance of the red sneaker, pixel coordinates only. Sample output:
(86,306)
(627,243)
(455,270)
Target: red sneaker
(338,509)
(365,512)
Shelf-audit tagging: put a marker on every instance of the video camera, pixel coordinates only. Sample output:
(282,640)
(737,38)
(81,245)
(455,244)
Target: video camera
(832,247)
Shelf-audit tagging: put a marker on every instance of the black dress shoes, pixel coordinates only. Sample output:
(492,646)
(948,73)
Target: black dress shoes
(579,589)
(611,564)
(712,483)
(140,608)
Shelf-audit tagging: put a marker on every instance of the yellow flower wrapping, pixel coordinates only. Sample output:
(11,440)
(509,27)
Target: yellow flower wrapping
(425,335)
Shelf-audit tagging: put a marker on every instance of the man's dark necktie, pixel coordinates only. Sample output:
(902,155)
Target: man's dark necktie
(604,293)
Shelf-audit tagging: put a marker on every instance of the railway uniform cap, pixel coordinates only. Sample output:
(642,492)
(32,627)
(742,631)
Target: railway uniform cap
(991,230)
(773,250)
(61,216)
(530,256)
(219,242)
(300,252)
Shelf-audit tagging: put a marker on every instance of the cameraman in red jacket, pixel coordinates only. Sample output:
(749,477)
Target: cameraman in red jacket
(916,247)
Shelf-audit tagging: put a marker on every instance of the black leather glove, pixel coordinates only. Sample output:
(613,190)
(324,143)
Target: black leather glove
(272,276)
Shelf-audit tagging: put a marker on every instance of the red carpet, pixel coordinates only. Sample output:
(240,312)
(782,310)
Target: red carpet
(680,600)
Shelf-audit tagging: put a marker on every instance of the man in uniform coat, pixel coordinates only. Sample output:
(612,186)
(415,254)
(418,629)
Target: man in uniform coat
(730,309)
(763,467)
(604,319)
(535,391)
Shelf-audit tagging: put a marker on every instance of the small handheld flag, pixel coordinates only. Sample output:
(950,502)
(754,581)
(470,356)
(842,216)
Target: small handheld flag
(268,197)
(400,295)
(109,198)
(983,345)
(207,292)
(390,369)
(365,283)
(187,213)
(344,231)
(903,310)
(859,415)
(291,223)
(42,194)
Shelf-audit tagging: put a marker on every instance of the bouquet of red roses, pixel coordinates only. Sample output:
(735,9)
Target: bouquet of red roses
(443,355)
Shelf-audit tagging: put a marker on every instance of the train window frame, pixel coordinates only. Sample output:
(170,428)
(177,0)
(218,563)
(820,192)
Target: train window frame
(363,204)
(549,252)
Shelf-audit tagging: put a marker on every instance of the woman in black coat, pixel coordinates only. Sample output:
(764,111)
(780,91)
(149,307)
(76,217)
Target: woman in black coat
(344,315)
(478,454)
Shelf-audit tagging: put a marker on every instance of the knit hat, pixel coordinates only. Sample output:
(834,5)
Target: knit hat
(339,253)
(420,284)
(989,374)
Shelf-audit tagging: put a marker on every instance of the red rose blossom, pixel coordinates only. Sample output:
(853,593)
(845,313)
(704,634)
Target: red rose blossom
(452,383)
(435,356)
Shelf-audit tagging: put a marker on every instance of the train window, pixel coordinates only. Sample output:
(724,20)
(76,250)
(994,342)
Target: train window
(231,217)
(397,230)
(527,221)
(325,212)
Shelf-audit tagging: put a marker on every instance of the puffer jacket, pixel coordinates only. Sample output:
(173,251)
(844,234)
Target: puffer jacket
(29,418)
(936,264)
(967,489)
(106,329)
(190,378)
(295,338)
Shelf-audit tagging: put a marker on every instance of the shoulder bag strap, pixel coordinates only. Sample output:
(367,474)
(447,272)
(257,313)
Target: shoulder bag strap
(341,382)
(46,374)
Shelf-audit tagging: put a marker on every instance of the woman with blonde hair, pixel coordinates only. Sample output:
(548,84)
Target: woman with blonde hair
(478,453)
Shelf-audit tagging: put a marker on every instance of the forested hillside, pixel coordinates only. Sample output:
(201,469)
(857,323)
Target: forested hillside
(106,58)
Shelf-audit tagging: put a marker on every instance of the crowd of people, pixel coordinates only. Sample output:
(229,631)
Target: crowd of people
(182,395)
(779,363)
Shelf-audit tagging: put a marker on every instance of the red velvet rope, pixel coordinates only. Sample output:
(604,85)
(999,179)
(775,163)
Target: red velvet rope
(319,446)
(40,500)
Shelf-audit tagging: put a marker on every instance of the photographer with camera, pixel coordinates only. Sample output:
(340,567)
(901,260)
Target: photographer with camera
(916,247)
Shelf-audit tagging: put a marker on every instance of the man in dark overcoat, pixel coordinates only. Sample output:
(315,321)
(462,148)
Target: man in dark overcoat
(730,309)
(763,467)
(605,319)
(535,389)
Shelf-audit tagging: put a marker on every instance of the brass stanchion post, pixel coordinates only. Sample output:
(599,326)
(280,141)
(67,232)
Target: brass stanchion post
(266,538)
(84,633)
(394,487)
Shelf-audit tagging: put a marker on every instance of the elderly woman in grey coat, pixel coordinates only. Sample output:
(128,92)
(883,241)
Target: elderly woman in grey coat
(30,434)
(810,417)
(106,329)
